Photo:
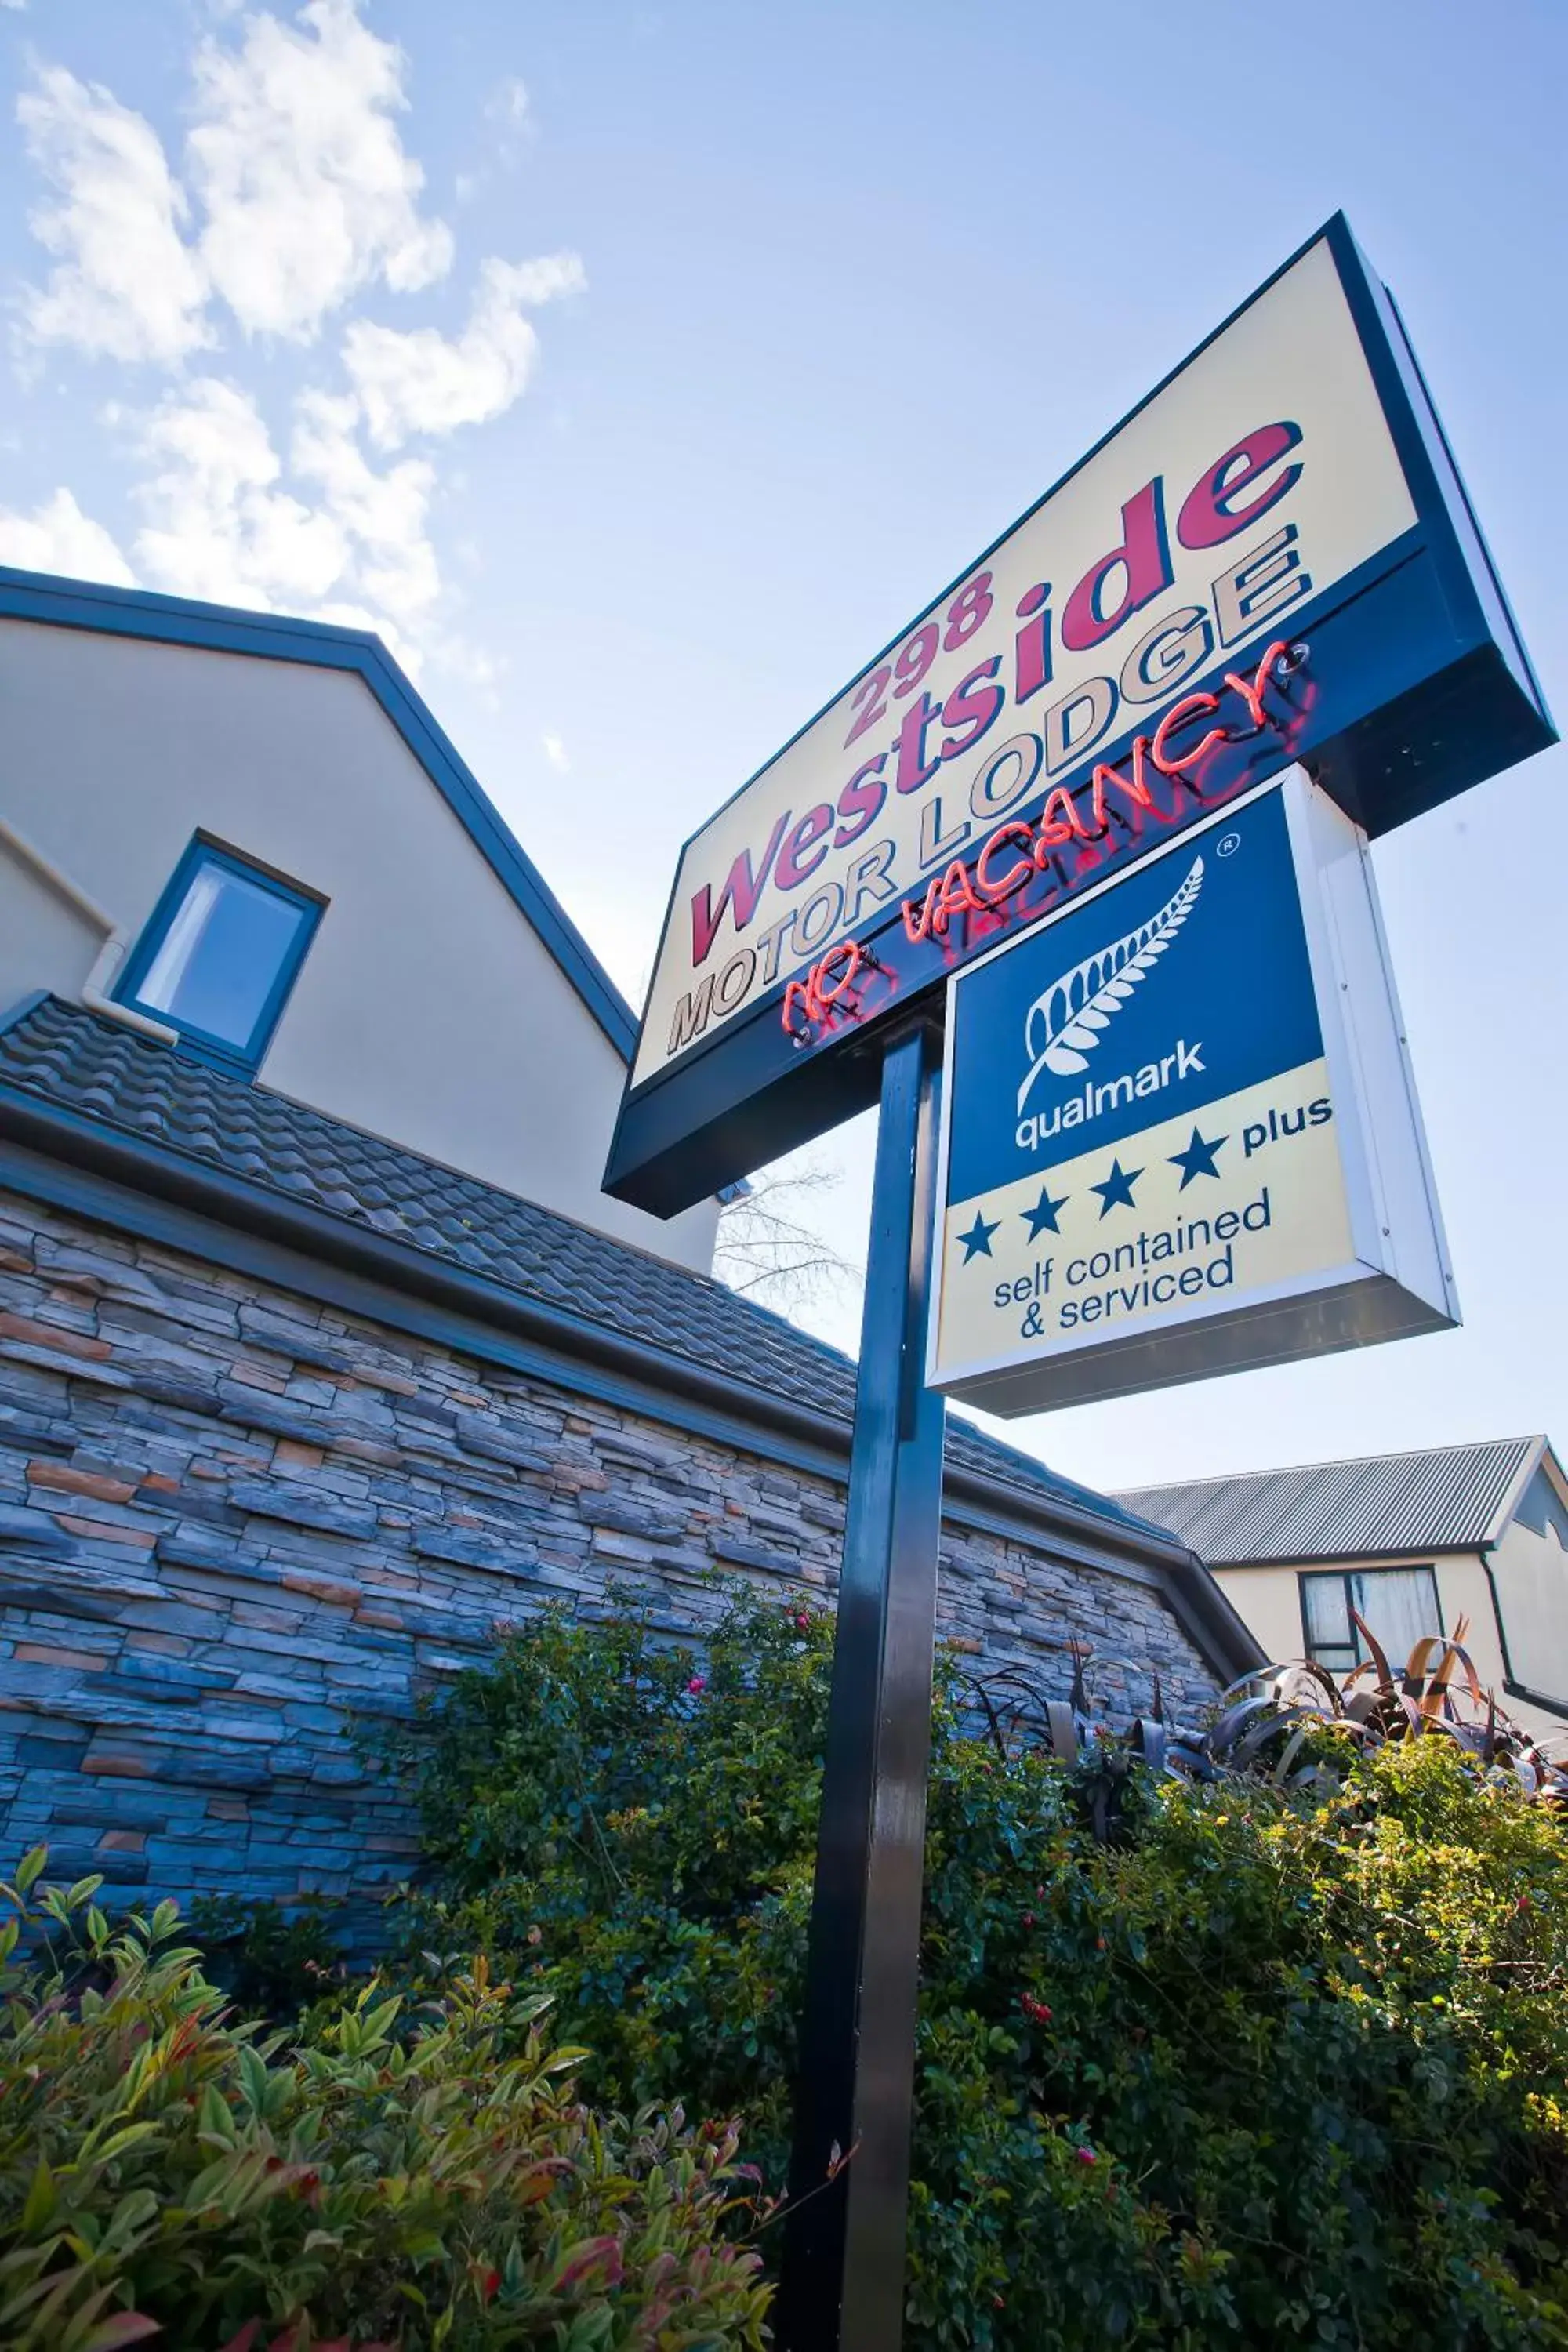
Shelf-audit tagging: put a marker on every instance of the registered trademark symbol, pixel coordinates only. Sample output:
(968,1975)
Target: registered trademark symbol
(1227,844)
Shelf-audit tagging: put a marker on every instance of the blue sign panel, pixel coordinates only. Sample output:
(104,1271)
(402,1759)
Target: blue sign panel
(1188,983)
(1159,1158)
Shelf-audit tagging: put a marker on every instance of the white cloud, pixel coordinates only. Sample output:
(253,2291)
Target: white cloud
(302,196)
(418,380)
(218,525)
(308,193)
(385,515)
(325,534)
(57,537)
(126,285)
(555,753)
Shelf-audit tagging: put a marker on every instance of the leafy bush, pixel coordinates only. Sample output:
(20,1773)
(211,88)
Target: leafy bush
(1275,2062)
(163,2172)
(273,1959)
(635,1828)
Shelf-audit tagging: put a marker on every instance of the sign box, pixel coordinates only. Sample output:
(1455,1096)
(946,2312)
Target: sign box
(1180,1134)
(1101,677)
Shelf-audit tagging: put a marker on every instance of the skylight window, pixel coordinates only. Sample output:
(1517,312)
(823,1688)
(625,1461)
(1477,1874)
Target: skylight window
(221,953)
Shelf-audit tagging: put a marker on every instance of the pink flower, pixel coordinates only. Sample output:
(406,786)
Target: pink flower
(1085,2155)
(697,1684)
(803,1623)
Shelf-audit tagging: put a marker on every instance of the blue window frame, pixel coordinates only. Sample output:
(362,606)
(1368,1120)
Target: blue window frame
(220,953)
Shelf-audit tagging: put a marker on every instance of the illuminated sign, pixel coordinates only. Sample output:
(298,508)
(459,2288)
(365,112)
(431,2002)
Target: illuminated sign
(1271,560)
(1019,870)
(1181,1135)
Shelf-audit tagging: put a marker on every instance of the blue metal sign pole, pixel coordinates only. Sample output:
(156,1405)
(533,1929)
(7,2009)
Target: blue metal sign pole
(843,2277)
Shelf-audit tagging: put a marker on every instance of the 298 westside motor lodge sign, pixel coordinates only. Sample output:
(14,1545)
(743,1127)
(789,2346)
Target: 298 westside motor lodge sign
(1271,560)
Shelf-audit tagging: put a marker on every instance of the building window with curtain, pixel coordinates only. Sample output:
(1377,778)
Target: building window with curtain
(1399,1605)
(221,952)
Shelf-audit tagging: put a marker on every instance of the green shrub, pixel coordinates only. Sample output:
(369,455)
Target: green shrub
(166,2172)
(1272,2065)
(273,1959)
(636,1827)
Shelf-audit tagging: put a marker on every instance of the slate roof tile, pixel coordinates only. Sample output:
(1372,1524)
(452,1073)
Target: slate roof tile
(74,1061)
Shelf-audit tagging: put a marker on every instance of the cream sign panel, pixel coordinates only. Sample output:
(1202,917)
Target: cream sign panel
(1261,475)
(1182,1137)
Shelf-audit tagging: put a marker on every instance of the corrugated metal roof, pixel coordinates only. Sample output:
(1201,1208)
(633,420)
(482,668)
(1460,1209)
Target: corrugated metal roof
(1449,1498)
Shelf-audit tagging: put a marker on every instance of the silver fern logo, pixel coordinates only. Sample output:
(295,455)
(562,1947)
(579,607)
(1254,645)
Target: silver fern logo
(1065,1020)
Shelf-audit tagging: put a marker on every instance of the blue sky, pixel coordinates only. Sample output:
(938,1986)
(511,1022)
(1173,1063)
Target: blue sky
(638,371)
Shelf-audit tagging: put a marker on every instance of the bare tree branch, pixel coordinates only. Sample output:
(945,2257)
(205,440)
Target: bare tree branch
(769,1245)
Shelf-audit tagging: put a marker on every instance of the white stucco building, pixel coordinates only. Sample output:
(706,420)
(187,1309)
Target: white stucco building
(251,833)
(1411,1543)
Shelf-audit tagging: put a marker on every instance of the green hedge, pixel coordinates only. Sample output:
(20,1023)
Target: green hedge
(1268,2068)
(168,2175)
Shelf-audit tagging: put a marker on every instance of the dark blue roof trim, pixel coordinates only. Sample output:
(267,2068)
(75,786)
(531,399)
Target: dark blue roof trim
(221,628)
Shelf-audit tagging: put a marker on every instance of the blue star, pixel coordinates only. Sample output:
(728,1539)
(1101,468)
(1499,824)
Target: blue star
(1197,1159)
(1117,1189)
(977,1240)
(1042,1217)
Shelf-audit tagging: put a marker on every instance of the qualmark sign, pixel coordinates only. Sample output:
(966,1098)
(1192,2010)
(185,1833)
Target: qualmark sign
(1180,1134)
(1271,560)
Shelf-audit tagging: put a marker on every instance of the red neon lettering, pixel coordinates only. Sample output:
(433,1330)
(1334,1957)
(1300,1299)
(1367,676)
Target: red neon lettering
(1055,830)
(953,895)
(1015,874)
(801,989)
(825,995)
(1135,785)
(818,991)
(955,892)
(1191,706)
(917,923)
(1252,695)
(957,895)
(742,887)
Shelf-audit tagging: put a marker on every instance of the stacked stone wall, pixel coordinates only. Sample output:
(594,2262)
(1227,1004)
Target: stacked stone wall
(235,1524)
